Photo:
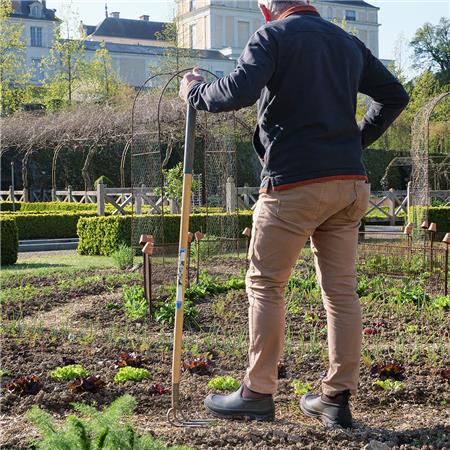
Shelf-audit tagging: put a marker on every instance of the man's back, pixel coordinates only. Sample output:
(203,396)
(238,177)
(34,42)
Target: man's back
(306,73)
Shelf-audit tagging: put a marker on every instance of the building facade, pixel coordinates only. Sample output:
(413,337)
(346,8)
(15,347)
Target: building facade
(39,29)
(226,25)
(211,34)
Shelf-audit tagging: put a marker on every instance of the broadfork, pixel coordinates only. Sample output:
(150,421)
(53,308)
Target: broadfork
(175,414)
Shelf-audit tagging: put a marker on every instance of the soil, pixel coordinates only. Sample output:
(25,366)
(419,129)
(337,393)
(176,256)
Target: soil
(91,329)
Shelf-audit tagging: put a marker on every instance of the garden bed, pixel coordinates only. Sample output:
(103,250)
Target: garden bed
(82,320)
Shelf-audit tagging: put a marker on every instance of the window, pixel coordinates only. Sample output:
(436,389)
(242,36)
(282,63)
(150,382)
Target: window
(219,73)
(192,36)
(192,5)
(36,36)
(350,15)
(37,69)
(243,33)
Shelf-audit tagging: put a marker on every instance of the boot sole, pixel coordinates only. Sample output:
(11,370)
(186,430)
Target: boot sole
(329,423)
(243,416)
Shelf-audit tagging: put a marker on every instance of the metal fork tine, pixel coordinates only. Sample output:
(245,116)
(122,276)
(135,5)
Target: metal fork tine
(172,417)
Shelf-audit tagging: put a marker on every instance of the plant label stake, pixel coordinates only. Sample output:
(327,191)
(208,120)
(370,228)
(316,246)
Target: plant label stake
(408,232)
(175,415)
(190,239)
(147,242)
(432,230)
(198,237)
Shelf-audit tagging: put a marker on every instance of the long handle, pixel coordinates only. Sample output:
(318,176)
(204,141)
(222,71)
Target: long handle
(189,145)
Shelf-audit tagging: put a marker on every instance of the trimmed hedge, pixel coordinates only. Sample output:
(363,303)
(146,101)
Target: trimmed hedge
(437,214)
(47,226)
(104,235)
(9,240)
(45,207)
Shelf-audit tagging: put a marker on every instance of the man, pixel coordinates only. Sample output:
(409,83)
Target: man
(305,73)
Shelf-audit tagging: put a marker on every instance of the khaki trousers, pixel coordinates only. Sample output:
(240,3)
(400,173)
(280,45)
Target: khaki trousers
(330,214)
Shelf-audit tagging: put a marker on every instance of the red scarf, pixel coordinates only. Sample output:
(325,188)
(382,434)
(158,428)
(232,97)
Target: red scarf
(298,8)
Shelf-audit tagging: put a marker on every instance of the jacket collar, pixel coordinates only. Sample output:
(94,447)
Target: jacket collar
(299,8)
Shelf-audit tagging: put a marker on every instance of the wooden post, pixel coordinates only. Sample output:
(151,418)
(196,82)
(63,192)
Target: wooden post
(231,195)
(69,194)
(100,199)
(409,217)
(391,207)
(26,196)
(54,199)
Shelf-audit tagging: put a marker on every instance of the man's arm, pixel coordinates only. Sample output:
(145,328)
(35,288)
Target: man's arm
(243,86)
(389,99)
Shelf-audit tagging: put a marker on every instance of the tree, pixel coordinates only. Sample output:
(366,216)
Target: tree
(431,46)
(175,58)
(65,67)
(100,81)
(14,76)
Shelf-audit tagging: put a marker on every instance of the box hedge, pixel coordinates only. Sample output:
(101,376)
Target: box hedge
(47,226)
(440,215)
(103,235)
(9,240)
(44,207)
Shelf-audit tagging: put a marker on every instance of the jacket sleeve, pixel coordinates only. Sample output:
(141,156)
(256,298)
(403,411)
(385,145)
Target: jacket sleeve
(389,99)
(243,86)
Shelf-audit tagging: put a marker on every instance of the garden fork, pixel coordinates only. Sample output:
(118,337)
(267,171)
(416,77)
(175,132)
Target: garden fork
(175,415)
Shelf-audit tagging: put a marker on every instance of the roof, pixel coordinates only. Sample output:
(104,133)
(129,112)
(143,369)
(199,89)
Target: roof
(126,28)
(21,8)
(352,3)
(153,50)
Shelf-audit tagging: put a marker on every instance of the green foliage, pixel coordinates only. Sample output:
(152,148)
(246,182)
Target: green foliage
(165,311)
(103,180)
(173,183)
(129,373)
(94,430)
(412,328)
(224,383)
(440,215)
(301,388)
(69,372)
(5,373)
(442,302)
(134,302)
(103,235)
(431,47)
(48,207)
(13,74)
(124,256)
(410,292)
(9,240)
(389,385)
(51,225)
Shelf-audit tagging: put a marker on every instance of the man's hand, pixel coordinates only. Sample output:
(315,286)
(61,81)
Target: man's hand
(189,79)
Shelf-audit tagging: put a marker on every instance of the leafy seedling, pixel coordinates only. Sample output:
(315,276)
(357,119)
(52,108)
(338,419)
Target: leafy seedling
(301,388)
(198,366)
(442,302)
(5,373)
(131,374)
(375,328)
(68,373)
(25,385)
(130,359)
(282,372)
(384,371)
(224,383)
(134,301)
(389,385)
(90,384)
(157,389)
(412,328)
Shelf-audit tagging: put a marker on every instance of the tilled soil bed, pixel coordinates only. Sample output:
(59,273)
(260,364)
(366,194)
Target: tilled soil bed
(92,330)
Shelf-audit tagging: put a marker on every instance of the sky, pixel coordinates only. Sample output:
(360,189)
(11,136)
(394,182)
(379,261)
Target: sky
(398,18)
